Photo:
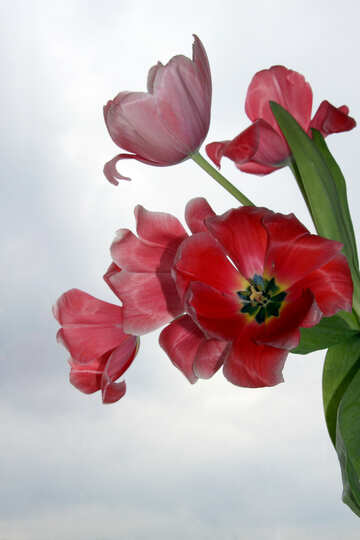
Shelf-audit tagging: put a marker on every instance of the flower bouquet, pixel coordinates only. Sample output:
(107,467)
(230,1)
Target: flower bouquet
(236,291)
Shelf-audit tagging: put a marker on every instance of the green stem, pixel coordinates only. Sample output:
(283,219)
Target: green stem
(204,164)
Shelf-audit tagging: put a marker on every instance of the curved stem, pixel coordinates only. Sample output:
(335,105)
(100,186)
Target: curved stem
(204,164)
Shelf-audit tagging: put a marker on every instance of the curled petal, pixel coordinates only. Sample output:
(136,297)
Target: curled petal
(215,151)
(210,356)
(112,392)
(329,119)
(196,211)
(111,172)
(254,366)
(87,377)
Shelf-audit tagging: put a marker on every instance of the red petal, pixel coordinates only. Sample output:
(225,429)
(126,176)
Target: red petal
(293,252)
(111,271)
(331,285)
(284,86)
(77,307)
(259,143)
(329,119)
(217,313)
(243,236)
(149,300)
(180,340)
(256,168)
(215,151)
(254,366)
(283,331)
(200,258)
(210,356)
(196,211)
(112,392)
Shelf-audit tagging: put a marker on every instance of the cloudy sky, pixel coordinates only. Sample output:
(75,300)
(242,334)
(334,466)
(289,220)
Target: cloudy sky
(170,460)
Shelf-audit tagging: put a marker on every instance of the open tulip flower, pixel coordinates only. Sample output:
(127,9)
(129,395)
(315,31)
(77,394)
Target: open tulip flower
(262,148)
(100,351)
(169,122)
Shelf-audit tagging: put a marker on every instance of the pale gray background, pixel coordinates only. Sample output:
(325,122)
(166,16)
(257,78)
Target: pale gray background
(170,461)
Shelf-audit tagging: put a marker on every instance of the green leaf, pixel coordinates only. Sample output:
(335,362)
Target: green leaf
(330,331)
(342,363)
(348,443)
(324,195)
(340,186)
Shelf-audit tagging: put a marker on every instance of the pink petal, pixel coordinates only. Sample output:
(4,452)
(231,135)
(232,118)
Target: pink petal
(111,271)
(254,366)
(243,236)
(87,377)
(196,211)
(183,98)
(201,258)
(149,300)
(158,228)
(112,392)
(215,151)
(91,327)
(180,340)
(284,86)
(329,119)
(111,173)
(135,255)
(256,168)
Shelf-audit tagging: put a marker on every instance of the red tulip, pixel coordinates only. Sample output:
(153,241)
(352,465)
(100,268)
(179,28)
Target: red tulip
(169,122)
(100,351)
(249,283)
(262,148)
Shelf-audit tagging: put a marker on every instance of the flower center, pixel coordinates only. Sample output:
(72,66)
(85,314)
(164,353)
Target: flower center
(261,299)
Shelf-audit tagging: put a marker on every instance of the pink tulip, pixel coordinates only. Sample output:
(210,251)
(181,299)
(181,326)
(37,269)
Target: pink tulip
(164,125)
(262,148)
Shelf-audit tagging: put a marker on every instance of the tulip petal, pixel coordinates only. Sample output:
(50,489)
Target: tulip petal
(149,300)
(196,211)
(112,392)
(254,366)
(293,253)
(242,234)
(91,327)
(158,228)
(217,313)
(180,340)
(331,285)
(329,119)
(210,356)
(87,377)
(283,331)
(201,258)
(135,255)
(284,86)
(215,151)
(111,173)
